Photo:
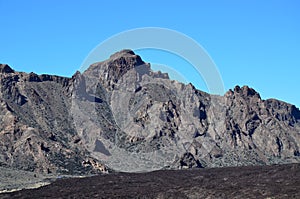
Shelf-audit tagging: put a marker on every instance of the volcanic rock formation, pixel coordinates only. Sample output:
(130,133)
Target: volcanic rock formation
(120,114)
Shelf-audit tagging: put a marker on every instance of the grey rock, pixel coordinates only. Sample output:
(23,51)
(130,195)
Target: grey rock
(37,132)
(4,68)
(120,114)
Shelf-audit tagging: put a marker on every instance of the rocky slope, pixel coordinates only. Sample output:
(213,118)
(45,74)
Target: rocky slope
(37,131)
(121,114)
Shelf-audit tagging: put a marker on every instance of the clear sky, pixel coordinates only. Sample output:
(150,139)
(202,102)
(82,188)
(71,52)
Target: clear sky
(255,43)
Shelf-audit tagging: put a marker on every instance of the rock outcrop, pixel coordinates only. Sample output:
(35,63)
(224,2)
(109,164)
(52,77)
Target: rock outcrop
(37,131)
(4,68)
(121,114)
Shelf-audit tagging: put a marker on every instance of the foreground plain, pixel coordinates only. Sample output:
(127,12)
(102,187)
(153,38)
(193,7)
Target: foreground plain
(279,181)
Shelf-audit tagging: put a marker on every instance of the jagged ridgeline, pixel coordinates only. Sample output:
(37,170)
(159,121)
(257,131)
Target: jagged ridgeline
(121,115)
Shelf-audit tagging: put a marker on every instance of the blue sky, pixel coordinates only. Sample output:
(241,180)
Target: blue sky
(253,43)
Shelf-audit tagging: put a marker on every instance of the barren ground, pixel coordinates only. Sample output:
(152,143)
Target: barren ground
(280,181)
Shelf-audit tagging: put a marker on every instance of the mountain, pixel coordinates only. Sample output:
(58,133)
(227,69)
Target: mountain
(120,115)
(37,131)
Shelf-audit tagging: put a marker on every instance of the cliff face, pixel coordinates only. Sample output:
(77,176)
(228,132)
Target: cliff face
(37,131)
(122,114)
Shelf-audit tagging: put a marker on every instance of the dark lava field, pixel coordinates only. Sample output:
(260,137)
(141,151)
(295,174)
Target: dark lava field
(278,181)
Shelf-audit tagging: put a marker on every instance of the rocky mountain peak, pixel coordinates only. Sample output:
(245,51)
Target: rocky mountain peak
(121,61)
(122,53)
(4,68)
(244,92)
(125,59)
(120,113)
(110,71)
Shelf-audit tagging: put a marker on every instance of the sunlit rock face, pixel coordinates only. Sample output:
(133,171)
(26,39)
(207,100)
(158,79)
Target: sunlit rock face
(119,114)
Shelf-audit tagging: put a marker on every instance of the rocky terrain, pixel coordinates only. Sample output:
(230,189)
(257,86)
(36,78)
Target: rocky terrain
(16,179)
(280,181)
(119,115)
(37,132)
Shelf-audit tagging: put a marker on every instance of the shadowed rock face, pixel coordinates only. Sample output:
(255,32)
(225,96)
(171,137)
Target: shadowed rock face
(4,68)
(122,114)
